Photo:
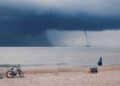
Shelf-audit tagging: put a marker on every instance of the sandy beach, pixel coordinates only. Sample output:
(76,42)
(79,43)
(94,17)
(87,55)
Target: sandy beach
(107,77)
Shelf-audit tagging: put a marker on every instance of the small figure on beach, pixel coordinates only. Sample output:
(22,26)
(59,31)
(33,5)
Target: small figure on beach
(14,69)
(100,61)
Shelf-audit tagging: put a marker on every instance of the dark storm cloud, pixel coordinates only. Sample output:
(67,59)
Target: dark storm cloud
(52,20)
(96,7)
(25,22)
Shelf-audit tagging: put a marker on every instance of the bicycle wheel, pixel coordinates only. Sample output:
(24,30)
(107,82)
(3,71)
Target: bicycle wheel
(21,74)
(9,74)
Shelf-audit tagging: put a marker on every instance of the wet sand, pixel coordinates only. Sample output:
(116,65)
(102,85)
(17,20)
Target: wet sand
(105,77)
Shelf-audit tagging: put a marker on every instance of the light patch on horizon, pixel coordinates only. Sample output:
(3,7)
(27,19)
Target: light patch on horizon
(105,38)
(108,39)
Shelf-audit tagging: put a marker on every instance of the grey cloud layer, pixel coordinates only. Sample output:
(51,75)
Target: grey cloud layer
(96,7)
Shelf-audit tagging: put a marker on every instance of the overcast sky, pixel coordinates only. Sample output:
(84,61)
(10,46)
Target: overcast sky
(29,22)
(97,7)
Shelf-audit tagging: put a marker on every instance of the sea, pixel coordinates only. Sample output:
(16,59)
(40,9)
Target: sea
(58,56)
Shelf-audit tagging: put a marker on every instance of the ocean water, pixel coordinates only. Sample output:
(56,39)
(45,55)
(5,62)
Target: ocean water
(59,56)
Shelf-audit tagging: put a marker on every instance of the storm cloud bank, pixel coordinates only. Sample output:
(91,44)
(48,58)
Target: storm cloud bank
(25,22)
(96,7)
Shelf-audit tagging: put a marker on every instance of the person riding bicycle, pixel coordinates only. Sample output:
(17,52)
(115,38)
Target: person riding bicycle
(14,69)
